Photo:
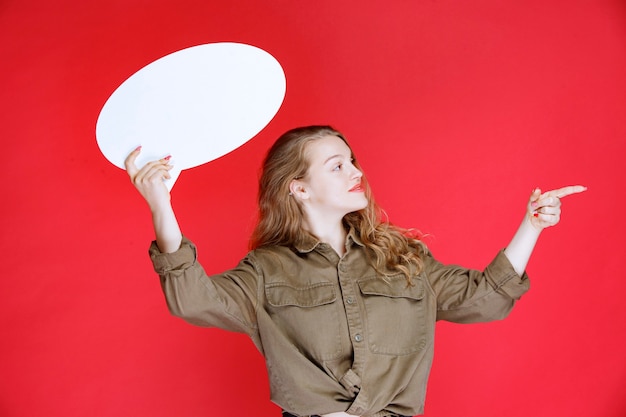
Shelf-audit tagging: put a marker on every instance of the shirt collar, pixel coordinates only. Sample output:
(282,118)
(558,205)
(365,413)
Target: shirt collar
(308,243)
(354,237)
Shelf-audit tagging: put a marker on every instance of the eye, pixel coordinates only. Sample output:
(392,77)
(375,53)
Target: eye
(337,167)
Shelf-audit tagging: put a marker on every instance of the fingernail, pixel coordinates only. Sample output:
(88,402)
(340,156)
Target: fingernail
(168,157)
(534,204)
(536,214)
(137,148)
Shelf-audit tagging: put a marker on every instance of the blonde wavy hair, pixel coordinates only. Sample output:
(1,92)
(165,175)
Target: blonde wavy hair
(389,248)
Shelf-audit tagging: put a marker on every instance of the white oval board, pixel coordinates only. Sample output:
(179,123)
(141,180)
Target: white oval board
(196,105)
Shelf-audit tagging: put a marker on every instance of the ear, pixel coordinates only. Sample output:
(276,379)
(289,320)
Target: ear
(298,190)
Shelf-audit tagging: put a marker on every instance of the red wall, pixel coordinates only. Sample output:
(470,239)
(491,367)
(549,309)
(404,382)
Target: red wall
(456,111)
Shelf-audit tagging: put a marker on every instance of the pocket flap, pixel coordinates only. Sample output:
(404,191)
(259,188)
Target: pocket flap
(280,294)
(394,287)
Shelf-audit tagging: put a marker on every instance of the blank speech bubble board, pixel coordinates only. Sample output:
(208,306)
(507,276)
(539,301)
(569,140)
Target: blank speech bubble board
(196,105)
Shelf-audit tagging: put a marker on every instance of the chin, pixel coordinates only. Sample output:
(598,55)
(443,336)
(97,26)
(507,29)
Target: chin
(362,206)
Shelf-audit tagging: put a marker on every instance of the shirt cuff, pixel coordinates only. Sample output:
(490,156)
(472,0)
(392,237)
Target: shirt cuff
(183,258)
(504,279)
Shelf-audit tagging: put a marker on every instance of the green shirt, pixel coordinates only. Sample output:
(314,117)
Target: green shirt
(334,334)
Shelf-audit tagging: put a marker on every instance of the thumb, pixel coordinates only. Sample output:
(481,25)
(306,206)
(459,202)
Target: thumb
(129,162)
(534,196)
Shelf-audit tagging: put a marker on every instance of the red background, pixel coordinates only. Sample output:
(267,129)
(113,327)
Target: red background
(456,110)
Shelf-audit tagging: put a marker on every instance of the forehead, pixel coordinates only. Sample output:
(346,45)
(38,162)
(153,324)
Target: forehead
(329,146)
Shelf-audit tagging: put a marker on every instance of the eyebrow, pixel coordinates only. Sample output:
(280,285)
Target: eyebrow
(333,157)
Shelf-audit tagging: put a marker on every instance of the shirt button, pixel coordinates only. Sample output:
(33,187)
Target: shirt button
(350,300)
(358,338)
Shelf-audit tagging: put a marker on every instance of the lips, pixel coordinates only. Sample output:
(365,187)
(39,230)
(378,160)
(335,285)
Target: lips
(357,188)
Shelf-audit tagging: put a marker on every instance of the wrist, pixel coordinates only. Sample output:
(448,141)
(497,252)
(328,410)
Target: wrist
(161,208)
(530,223)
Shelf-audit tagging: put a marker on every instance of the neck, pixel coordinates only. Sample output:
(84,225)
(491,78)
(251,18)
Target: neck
(332,233)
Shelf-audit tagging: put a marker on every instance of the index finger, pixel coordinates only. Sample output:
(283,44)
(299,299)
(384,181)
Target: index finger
(565,191)
(129,162)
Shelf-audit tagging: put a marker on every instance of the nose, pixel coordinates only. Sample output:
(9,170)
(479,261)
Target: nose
(356,173)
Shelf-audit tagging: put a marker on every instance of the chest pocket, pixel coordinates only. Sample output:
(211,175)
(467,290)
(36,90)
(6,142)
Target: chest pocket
(397,320)
(308,317)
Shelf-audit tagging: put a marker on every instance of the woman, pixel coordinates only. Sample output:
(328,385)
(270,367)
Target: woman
(341,303)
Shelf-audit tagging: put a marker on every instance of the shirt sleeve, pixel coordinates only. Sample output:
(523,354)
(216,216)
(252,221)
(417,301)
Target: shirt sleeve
(470,296)
(227,300)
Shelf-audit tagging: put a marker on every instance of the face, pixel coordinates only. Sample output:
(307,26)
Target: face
(332,186)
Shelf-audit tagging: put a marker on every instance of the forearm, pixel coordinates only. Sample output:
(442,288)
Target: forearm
(521,247)
(167,231)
